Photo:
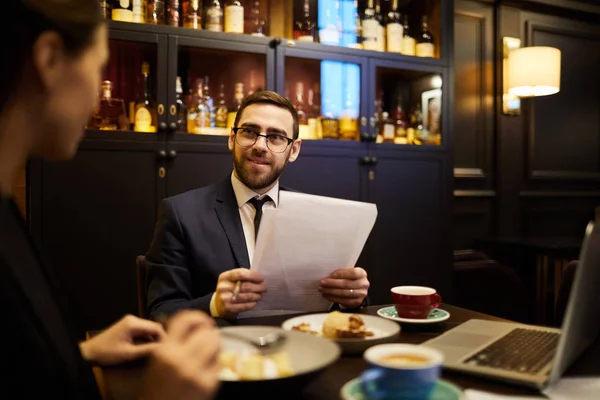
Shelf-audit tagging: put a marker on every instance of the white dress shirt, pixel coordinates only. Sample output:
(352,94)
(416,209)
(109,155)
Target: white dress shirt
(247,212)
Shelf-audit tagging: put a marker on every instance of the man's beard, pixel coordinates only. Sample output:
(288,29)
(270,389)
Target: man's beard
(254,181)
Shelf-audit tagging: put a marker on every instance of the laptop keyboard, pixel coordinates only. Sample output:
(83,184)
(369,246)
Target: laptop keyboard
(521,350)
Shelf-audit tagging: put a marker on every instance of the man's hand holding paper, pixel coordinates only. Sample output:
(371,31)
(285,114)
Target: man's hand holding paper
(347,287)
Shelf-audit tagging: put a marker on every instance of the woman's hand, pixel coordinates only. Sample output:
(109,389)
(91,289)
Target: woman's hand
(116,344)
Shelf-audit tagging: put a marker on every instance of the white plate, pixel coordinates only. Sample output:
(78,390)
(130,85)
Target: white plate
(383,331)
(436,315)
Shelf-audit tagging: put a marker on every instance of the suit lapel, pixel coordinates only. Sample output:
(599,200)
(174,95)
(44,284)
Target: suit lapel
(229,216)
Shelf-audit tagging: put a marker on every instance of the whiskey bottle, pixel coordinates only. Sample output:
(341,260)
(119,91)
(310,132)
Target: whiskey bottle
(234,17)
(209,102)
(394,29)
(255,24)
(408,42)
(214,17)
(106,9)
(146,117)
(399,117)
(182,109)
(155,12)
(370,28)
(425,46)
(381,29)
(387,127)
(173,16)
(221,111)
(305,28)
(139,11)
(202,112)
(299,106)
(110,114)
(239,97)
(122,11)
(192,14)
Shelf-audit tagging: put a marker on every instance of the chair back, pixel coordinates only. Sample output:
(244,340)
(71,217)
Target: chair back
(140,269)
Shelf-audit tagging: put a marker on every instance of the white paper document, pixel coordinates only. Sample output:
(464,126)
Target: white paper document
(304,240)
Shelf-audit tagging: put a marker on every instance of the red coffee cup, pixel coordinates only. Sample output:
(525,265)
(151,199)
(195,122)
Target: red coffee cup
(415,301)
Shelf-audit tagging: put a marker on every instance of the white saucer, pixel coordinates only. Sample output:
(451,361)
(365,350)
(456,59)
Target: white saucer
(436,315)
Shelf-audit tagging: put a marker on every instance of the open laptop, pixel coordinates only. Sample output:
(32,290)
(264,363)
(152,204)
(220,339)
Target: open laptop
(526,354)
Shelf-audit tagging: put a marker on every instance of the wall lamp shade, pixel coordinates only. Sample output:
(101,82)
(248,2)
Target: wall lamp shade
(534,71)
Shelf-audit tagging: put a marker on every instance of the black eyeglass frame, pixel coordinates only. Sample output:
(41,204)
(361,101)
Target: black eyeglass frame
(289,141)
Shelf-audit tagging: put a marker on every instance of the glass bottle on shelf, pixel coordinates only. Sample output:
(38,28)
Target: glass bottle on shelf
(106,9)
(221,111)
(110,114)
(122,10)
(370,28)
(139,11)
(408,42)
(182,109)
(155,12)
(302,118)
(399,117)
(146,117)
(192,14)
(425,46)
(387,127)
(330,126)
(202,114)
(255,23)
(209,101)
(173,17)
(234,17)
(214,17)
(193,107)
(394,29)
(381,29)
(305,28)
(239,96)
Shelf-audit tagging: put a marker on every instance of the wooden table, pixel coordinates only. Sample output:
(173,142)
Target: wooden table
(328,384)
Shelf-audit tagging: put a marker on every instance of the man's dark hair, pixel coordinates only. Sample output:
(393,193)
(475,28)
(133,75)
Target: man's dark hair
(269,97)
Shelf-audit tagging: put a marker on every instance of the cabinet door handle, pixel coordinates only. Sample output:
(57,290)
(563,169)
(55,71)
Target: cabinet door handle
(172,155)
(374,160)
(365,160)
(172,128)
(162,127)
(161,155)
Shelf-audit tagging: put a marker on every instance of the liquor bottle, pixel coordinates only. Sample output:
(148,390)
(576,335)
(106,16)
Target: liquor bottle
(202,114)
(106,9)
(110,114)
(191,11)
(381,29)
(155,12)
(370,28)
(234,17)
(425,46)
(387,127)
(182,109)
(239,97)
(299,106)
(394,29)
(193,107)
(173,16)
(209,101)
(255,24)
(408,42)
(221,111)
(399,117)
(214,17)
(139,11)
(146,118)
(305,28)
(122,11)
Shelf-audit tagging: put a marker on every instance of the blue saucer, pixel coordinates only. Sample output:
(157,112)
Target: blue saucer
(443,391)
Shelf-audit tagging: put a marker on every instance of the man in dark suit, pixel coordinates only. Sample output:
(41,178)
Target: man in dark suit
(204,239)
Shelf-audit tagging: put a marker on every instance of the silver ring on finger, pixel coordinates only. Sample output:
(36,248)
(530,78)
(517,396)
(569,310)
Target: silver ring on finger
(351,292)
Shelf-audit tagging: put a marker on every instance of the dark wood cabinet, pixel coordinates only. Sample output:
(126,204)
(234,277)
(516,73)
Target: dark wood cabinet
(93,216)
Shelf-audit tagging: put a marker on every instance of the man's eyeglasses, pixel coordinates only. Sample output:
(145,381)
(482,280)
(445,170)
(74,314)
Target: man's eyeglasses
(246,137)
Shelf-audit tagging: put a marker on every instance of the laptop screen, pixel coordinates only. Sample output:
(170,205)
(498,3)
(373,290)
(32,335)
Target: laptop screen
(581,322)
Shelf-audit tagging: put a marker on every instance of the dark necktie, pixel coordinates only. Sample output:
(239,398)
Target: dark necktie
(258,204)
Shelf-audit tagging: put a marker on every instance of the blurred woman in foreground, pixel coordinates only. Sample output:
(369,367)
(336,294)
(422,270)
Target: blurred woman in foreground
(53,52)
